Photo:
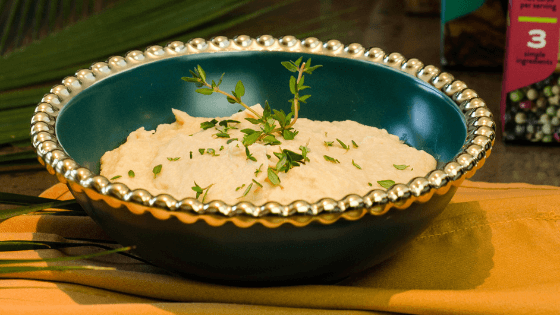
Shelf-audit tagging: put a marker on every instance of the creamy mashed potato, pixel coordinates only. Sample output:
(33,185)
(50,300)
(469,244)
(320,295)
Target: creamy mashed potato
(176,148)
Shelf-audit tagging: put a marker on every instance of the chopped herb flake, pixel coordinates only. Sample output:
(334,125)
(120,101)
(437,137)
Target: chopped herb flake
(212,152)
(401,167)
(258,170)
(328,143)
(273,177)
(344,146)
(156,170)
(354,144)
(236,189)
(356,165)
(131,173)
(173,159)
(115,177)
(259,184)
(330,159)
(208,124)
(386,183)
(201,151)
(191,155)
(370,184)
(247,190)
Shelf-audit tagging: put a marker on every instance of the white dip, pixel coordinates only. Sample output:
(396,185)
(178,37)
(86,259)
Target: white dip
(376,154)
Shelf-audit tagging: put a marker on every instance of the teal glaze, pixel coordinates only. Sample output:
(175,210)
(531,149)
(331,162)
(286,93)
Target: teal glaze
(99,118)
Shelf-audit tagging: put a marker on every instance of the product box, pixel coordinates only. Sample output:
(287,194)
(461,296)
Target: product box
(473,33)
(531,83)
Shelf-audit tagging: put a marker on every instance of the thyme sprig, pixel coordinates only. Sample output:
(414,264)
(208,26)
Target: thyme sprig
(199,190)
(271,122)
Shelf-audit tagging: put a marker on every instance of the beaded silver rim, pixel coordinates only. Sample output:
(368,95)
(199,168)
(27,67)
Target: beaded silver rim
(478,143)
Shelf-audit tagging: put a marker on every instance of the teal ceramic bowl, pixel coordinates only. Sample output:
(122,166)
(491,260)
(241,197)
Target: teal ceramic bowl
(244,244)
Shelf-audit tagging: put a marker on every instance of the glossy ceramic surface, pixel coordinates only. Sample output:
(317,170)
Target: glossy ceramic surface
(302,242)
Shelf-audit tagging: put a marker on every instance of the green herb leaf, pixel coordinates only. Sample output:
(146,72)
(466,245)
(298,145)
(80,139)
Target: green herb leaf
(344,146)
(258,170)
(328,143)
(401,167)
(304,98)
(298,61)
(189,79)
(222,135)
(115,177)
(354,144)
(221,148)
(289,135)
(231,140)
(386,183)
(304,151)
(239,89)
(253,121)
(212,152)
(290,66)
(156,170)
(201,151)
(258,184)
(220,82)
(208,124)
(249,155)
(293,85)
(205,91)
(190,154)
(201,73)
(173,159)
(236,189)
(273,177)
(370,184)
(330,159)
(356,165)
(131,173)
(231,100)
(248,131)
(247,190)
(271,140)
(249,139)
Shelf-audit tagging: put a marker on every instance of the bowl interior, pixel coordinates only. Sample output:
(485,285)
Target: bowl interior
(99,118)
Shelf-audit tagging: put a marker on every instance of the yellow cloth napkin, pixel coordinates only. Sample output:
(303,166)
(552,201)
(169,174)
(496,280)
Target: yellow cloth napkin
(494,250)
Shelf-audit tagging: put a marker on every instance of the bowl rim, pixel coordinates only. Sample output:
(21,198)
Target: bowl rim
(481,133)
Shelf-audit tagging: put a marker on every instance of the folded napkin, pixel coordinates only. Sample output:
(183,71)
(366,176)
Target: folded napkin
(495,249)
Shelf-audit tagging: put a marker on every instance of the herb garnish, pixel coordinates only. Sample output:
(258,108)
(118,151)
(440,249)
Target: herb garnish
(370,184)
(249,155)
(201,151)
(304,151)
(156,170)
(259,184)
(344,146)
(212,152)
(354,144)
(131,173)
(173,159)
(356,165)
(247,190)
(271,121)
(258,170)
(328,143)
(115,177)
(330,159)
(386,183)
(199,190)
(191,155)
(236,189)
(401,167)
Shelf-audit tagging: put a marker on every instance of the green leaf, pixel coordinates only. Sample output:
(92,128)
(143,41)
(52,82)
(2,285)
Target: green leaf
(328,143)
(266,112)
(356,165)
(249,155)
(273,177)
(220,81)
(280,116)
(298,62)
(289,135)
(222,135)
(212,152)
(231,100)
(293,85)
(343,145)
(304,98)
(354,144)
(208,124)
(239,89)
(258,184)
(156,170)
(249,139)
(247,190)
(201,73)
(330,159)
(131,173)
(201,151)
(116,177)
(386,183)
(401,167)
(189,79)
(253,121)
(205,91)
(311,69)
(248,131)
(271,140)
(290,66)
(304,151)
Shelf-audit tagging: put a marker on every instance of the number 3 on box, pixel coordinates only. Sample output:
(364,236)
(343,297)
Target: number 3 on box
(538,39)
